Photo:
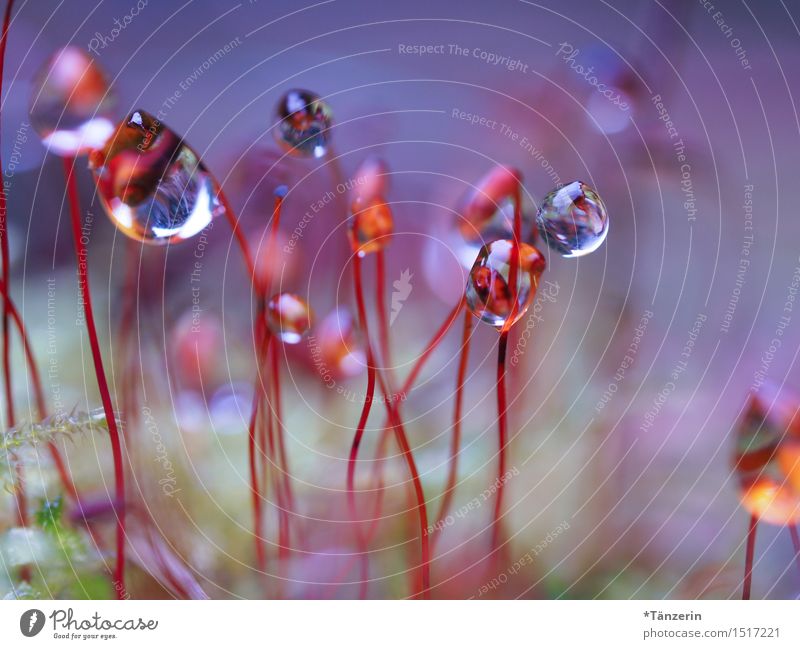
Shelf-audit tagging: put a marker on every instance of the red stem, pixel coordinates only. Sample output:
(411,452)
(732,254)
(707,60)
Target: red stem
(748,558)
(261,342)
(261,560)
(22,501)
(351,462)
(383,320)
(412,377)
(502,438)
(105,395)
(402,440)
(407,386)
(362,423)
(437,338)
(286,506)
(447,497)
(502,415)
(4,246)
(233,221)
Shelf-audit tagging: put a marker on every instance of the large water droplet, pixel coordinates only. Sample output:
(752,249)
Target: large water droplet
(71,106)
(288,317)
(489,295)
(305,122)
(573,220)
(154,187)
(371,226)
(767,460)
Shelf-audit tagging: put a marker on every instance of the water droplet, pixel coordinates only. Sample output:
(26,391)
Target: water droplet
(288,317)
(371,226)
(305,122)
(489,296)
(71,103)
(154,187)
(767,460)
(339,348)
(573,220)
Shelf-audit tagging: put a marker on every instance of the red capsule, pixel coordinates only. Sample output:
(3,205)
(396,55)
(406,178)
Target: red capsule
(767,459)
(371,226)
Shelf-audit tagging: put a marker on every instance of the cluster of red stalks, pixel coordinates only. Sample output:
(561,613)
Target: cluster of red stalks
(267,461)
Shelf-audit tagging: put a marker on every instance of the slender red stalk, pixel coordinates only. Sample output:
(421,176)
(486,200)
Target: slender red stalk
(748,558)
(502,432)
(502,415)
(4,246)
(383,320)
(437,338)
(450,486)
(261,561)
(351,466)
(402,440)
(233,221)
(795,544)
(19,472)
(105,395)
(286,504)
(362,423)
(422,512)
(407,386)
(262,341)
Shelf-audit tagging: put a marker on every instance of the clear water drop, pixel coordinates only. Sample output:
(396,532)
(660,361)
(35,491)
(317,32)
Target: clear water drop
(305,122)
(153,186)
(573,220)
(71,106)
(289,317)
(488,293)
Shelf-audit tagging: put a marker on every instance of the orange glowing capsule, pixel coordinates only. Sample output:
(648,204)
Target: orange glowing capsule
(767,461)
(371,226)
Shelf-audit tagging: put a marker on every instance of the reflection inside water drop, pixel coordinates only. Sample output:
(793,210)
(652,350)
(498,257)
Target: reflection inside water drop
(153,185)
